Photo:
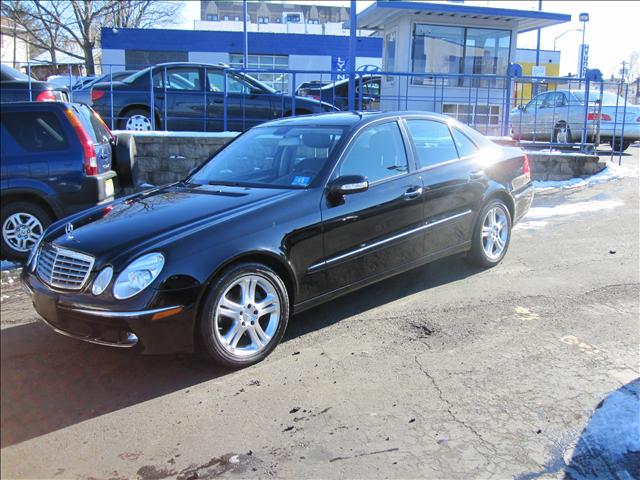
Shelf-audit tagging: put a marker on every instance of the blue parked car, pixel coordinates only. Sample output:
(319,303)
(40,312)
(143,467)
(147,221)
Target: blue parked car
(56,160)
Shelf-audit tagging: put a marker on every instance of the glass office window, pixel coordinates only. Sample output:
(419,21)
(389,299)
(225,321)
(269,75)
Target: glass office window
(487,53)
(278,81)
(390,54)
(437,49)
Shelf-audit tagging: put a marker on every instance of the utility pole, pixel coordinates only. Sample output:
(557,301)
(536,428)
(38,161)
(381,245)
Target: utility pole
(245,36)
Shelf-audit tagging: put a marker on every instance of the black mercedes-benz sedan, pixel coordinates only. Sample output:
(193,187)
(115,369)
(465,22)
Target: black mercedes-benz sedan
(291,214)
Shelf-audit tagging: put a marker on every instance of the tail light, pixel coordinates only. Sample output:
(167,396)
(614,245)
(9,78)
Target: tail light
(525,166)
(97,95)
(46,96)
(603,117)
(90,160)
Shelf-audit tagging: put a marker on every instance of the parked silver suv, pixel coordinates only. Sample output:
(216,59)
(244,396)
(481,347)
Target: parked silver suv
(559,116)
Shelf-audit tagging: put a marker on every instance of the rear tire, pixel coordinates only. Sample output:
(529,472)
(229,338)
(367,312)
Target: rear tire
(124,158)
(23,223)
(137,119)
(492,235)
(245,315)
(615,144)
(562,134)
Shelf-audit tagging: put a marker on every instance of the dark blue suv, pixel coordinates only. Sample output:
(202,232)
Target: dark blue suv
(56,160)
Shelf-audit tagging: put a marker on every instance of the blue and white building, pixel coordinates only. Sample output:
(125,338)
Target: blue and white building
(127,49)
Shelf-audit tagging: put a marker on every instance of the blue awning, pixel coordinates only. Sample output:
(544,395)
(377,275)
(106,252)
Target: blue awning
(381,12)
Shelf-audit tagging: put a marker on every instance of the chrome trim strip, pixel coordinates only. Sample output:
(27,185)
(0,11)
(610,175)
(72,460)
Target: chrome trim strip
(108,314)
(386,240)
(97,341)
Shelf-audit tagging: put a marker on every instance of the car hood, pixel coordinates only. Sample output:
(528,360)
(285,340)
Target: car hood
(157,217)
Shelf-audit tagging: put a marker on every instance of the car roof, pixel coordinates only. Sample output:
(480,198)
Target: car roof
(352,118)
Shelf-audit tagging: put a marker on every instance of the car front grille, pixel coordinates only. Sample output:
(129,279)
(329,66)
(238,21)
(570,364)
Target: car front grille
(62,268)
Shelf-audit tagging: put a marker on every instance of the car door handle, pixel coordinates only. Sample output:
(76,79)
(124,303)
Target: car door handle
(477,174)
(413,192)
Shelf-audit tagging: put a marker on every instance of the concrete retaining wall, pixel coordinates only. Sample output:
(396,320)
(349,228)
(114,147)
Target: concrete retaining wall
(165,157)
(557,165)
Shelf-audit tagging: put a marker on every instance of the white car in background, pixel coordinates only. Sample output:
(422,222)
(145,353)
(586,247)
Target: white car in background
(558,116)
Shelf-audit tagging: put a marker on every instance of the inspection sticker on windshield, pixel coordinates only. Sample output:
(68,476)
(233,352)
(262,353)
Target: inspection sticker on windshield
(301,181)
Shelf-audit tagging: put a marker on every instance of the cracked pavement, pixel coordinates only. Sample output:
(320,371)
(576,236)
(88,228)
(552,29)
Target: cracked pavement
(447,371)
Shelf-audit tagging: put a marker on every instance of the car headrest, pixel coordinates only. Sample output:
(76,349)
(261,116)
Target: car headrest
(316,140)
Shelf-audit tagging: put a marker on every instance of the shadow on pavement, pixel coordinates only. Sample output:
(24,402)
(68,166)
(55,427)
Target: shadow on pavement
(51,382)
(609,445)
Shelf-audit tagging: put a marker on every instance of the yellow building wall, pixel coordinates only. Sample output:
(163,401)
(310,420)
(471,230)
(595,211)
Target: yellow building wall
(523,90)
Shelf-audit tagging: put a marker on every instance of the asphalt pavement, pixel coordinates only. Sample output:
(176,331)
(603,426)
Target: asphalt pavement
(527,370)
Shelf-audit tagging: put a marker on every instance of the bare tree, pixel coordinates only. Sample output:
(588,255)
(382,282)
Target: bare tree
(73,26)
(632,71)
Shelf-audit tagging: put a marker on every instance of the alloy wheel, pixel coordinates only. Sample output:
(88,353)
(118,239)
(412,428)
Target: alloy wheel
(495,232)
(247,315)
(21,231)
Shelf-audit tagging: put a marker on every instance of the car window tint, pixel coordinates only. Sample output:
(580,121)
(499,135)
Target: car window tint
(465,146)
(216,83)
(184,78)
(433,142)
(35,131)
(378,152)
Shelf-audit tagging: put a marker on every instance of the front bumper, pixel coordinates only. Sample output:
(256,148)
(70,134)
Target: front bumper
(159,329)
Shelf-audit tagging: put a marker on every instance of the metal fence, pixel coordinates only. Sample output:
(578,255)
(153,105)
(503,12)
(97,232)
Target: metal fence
(556,112)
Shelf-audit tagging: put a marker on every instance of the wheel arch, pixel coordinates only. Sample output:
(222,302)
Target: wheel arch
(31,196)
(505,197)
(267,258)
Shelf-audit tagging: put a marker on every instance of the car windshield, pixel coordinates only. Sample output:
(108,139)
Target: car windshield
(607,98)
(276,157)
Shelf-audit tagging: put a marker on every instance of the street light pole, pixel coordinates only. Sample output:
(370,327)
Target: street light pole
(584,18)
(562,34)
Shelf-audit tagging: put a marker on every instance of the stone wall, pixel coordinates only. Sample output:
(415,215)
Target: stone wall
(166,157)
(563,165)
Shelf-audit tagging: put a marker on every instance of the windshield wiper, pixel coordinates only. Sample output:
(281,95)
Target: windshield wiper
(226,184)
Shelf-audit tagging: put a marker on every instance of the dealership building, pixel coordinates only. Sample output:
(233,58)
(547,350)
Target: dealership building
(438,44)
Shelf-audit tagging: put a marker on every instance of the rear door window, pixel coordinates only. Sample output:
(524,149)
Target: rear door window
(465,146)
(35,131)
(433,142)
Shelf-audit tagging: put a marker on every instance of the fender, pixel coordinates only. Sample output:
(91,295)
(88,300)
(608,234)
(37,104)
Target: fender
(34,188)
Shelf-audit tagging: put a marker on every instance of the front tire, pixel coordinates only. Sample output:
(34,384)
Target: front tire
(492,235)
(245,315)
(23,223)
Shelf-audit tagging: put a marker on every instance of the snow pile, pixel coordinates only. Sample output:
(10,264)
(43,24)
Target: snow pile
(535,218)
(610,172)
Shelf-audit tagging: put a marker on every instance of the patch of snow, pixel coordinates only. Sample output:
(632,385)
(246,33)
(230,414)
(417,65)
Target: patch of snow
(610,172)
(161,133)
(9,265)
(531,225)
(571,209)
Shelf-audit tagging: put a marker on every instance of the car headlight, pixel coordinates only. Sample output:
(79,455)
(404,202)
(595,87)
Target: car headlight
(33,254)
(138,275)
(101,282)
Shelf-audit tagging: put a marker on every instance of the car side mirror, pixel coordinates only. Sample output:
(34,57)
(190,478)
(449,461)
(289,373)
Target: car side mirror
(347,185)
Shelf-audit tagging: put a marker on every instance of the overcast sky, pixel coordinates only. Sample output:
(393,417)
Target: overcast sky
(612,32)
